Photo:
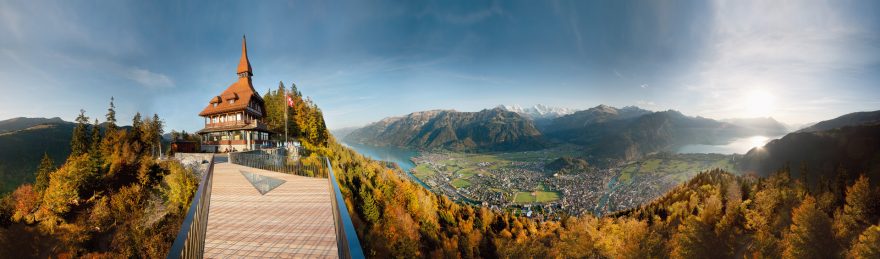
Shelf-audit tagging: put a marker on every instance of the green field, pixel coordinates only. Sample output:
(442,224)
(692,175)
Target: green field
(541,196)
(681,167)
(460,183)
(422,171)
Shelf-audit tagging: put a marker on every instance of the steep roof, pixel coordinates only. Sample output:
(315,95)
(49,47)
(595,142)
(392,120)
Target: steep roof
(244,65)
(242,91)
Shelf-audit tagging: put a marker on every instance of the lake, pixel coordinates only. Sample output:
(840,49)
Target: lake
(399,156)
(737,146)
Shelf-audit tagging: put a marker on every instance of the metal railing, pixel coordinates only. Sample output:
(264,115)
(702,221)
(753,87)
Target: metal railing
(190,241)
(347,241)
(276,160)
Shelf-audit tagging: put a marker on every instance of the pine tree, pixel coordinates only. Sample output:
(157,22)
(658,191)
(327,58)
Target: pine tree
(96,138)
(111,116)
(79,143)
(136,125)
(157,132)
(43,171)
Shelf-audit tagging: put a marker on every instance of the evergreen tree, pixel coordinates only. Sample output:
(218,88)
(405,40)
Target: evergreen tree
(43,172)
(79,143)
(157,131)
(111,116)
(136,125)
(96,138)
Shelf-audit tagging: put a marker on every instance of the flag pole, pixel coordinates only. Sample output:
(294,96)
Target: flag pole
(285,116)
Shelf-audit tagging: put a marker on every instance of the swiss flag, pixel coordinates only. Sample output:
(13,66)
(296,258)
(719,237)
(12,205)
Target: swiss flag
(289,101)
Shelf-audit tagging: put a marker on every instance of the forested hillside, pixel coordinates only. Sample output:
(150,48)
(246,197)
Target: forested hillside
(22,149)
(109,199)
(820,154)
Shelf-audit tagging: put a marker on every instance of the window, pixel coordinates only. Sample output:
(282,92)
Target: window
(231,101)
(238,116)
(215,104)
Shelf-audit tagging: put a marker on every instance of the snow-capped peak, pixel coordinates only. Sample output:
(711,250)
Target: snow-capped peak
(538,111)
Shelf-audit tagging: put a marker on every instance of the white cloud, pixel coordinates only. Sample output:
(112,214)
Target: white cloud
(149,79)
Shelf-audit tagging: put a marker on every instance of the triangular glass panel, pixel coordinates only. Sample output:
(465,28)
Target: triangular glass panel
(263,183)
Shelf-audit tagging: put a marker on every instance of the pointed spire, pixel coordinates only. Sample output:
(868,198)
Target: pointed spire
(244,66)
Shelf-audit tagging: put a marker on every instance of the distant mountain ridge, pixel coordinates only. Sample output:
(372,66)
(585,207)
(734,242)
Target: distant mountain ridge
(486,130)
(849,143)
(21,123)
(852,119)
(538,111)
(603,131)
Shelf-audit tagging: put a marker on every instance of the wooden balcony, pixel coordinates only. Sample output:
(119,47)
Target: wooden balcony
(234,142)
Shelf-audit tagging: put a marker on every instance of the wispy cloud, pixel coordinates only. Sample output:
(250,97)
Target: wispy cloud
(467,18)
(149,79)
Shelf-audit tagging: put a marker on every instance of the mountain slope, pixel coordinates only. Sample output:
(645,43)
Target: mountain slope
(490,130)
(609,133)
(852,119)
(21,123)
(855,149)
(598,114)
(23,149)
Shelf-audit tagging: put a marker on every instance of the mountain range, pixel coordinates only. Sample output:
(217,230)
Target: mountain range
(487,130)
(538,111)
(603,131)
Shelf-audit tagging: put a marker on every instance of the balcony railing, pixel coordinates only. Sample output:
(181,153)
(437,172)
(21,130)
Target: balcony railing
(347,241)
(277,160)
(190,241)
(229,123)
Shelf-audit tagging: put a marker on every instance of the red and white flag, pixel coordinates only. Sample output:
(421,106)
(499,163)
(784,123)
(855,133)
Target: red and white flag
(289,101)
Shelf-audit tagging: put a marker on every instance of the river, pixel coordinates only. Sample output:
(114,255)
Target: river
(400,156)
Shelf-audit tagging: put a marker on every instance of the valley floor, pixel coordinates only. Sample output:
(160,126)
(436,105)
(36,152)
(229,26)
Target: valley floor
(520,182)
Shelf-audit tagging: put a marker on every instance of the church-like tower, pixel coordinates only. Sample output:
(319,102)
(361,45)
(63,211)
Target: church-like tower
(233,119)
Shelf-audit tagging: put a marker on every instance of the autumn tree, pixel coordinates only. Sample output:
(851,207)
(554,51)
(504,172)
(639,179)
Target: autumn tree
(860,210)
(696,237)
(868,244)
(810,233)
(26,202)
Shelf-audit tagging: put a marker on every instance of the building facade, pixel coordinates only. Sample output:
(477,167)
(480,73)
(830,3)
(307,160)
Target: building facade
(234,119)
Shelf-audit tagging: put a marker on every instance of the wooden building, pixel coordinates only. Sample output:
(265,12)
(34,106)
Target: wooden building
(234,119)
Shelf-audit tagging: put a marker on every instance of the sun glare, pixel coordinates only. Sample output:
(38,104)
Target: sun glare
(759,103)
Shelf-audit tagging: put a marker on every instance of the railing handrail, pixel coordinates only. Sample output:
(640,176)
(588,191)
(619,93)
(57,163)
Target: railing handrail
(347,241)
(201,195)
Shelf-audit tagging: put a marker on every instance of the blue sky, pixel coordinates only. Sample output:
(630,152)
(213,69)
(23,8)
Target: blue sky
(798,61)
